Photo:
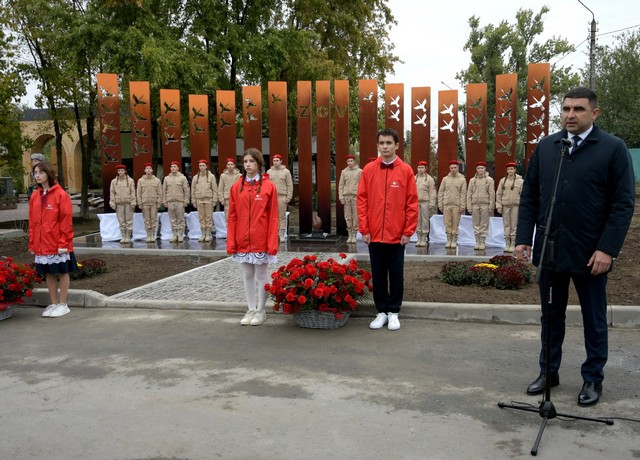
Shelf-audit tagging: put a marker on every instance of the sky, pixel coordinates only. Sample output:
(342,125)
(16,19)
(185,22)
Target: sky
(429,36)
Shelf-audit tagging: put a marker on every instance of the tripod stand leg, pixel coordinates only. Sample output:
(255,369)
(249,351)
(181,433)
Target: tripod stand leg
(534,449)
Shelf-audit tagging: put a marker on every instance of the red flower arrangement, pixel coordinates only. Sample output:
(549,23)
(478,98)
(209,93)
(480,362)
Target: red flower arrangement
(16,281)
(315,284)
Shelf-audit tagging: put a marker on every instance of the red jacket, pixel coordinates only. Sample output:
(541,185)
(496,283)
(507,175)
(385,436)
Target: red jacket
(387,202)
(50,221)
(252,224)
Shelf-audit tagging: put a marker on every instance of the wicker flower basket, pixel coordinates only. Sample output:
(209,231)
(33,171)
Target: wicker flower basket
(6,313)
(319,320)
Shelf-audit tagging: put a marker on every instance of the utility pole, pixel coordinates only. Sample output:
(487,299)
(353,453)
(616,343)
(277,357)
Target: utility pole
(592,50)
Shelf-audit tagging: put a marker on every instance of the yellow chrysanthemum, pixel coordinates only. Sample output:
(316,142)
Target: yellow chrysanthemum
(491,266)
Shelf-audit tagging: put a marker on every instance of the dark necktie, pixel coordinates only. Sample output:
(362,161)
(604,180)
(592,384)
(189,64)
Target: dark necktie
(576,141)
(384,165)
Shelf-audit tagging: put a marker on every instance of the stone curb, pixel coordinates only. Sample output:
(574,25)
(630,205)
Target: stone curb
(621,316)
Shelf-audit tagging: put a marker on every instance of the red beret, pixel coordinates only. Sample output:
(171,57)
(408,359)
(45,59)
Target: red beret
(203,161)
(148,164)
(350,157)
(422,163)
(277,155)
(230,160)
(511,164)
(453,162)
(121,167)
(174,163)
(481,163)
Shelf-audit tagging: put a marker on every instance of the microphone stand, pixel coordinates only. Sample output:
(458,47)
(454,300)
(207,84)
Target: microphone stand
(547,410)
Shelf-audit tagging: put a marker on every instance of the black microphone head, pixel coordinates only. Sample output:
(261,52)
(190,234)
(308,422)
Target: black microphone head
(567,142)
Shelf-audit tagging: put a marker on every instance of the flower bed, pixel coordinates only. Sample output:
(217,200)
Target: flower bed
(502,272)
(89,268)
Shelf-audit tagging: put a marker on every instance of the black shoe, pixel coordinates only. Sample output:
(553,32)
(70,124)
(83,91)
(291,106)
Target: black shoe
(537,386)
(590,394)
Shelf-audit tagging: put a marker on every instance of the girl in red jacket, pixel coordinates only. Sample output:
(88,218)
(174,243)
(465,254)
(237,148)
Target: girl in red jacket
(252,232)
(51,237)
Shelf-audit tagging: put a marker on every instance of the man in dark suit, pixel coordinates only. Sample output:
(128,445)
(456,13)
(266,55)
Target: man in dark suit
(594,205)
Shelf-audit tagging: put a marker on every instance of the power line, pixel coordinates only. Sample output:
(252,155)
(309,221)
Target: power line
(619,30)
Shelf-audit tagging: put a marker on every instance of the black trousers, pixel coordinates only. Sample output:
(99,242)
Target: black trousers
(592,293)
(387,276)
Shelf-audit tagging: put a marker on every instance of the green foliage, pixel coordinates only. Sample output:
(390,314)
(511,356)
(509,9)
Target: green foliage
(508,277)
(89,268)
(503,272)
(456,273)
(482,276)
(524,269)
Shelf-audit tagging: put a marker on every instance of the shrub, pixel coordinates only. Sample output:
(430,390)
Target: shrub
(509,261)
(509,277)
(483,274)
(89,268)
(456,273)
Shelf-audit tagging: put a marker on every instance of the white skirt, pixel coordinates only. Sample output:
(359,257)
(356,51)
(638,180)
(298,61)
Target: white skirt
(255,258)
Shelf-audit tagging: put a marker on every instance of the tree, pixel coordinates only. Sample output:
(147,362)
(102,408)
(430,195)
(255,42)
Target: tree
(618,87)
(509,48)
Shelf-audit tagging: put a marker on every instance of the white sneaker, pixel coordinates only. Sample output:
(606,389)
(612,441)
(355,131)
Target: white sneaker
(47,311)
(246,319)
(394,322)
(381,320)
(259,317)
(60,310)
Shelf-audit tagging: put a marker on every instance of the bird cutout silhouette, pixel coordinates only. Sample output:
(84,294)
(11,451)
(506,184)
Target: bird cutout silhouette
(506,95)
(368,97)
(539,102)
(395,115)
(138,100)
(137,117)
(168,123)
(139,149)
(538,121)
(477,137)
(422,120)
(106,110)
(476,104)
(224,123)
(224,108)
(536,139)
(448,109)
(477,120)
(108,158)
(251,117)
(395,101)
(539,85)
(505,148)
(169,138)
(107,127)
(421,105)
(106,92)
(108,142)
(169,108)
(448,126)
(506,113)
(249,102)
(139,133)
(275,98)
(197,113)
(504,132)
(197,129)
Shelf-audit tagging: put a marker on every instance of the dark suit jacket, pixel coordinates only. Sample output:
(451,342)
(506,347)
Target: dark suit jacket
(594,203)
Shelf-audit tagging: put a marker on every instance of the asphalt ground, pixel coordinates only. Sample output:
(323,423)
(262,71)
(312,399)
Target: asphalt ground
(108,383)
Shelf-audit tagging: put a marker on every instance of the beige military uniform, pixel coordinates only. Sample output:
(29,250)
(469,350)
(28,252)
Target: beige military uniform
(175,195)
(149,194)
(281,177)
(347,191)
(123,199)
(204,196)
(227,179)
(452,195)
(481,198)
(507,202)
(427,197)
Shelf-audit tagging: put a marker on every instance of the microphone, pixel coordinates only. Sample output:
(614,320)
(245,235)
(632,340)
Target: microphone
(567,142)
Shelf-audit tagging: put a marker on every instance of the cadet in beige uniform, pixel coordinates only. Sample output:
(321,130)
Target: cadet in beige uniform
(229,177)
(122,198)
(507,202)
(347,191)
(427,197)
(281,177)
(175,195)
(481,199)
(204,196)
(452,195)
(149,194)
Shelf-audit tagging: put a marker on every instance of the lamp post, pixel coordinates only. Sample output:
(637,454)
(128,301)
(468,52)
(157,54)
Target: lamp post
(592,50)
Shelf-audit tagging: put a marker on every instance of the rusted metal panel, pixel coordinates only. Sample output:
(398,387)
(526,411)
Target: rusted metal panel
(199,130)
(394,112)
(171,129)
(476,127)
(447,130)
(420,125)
(305,193)
(226,124)
(323,154)
(368,113)
(506,122)
(109,118)
(538,93)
